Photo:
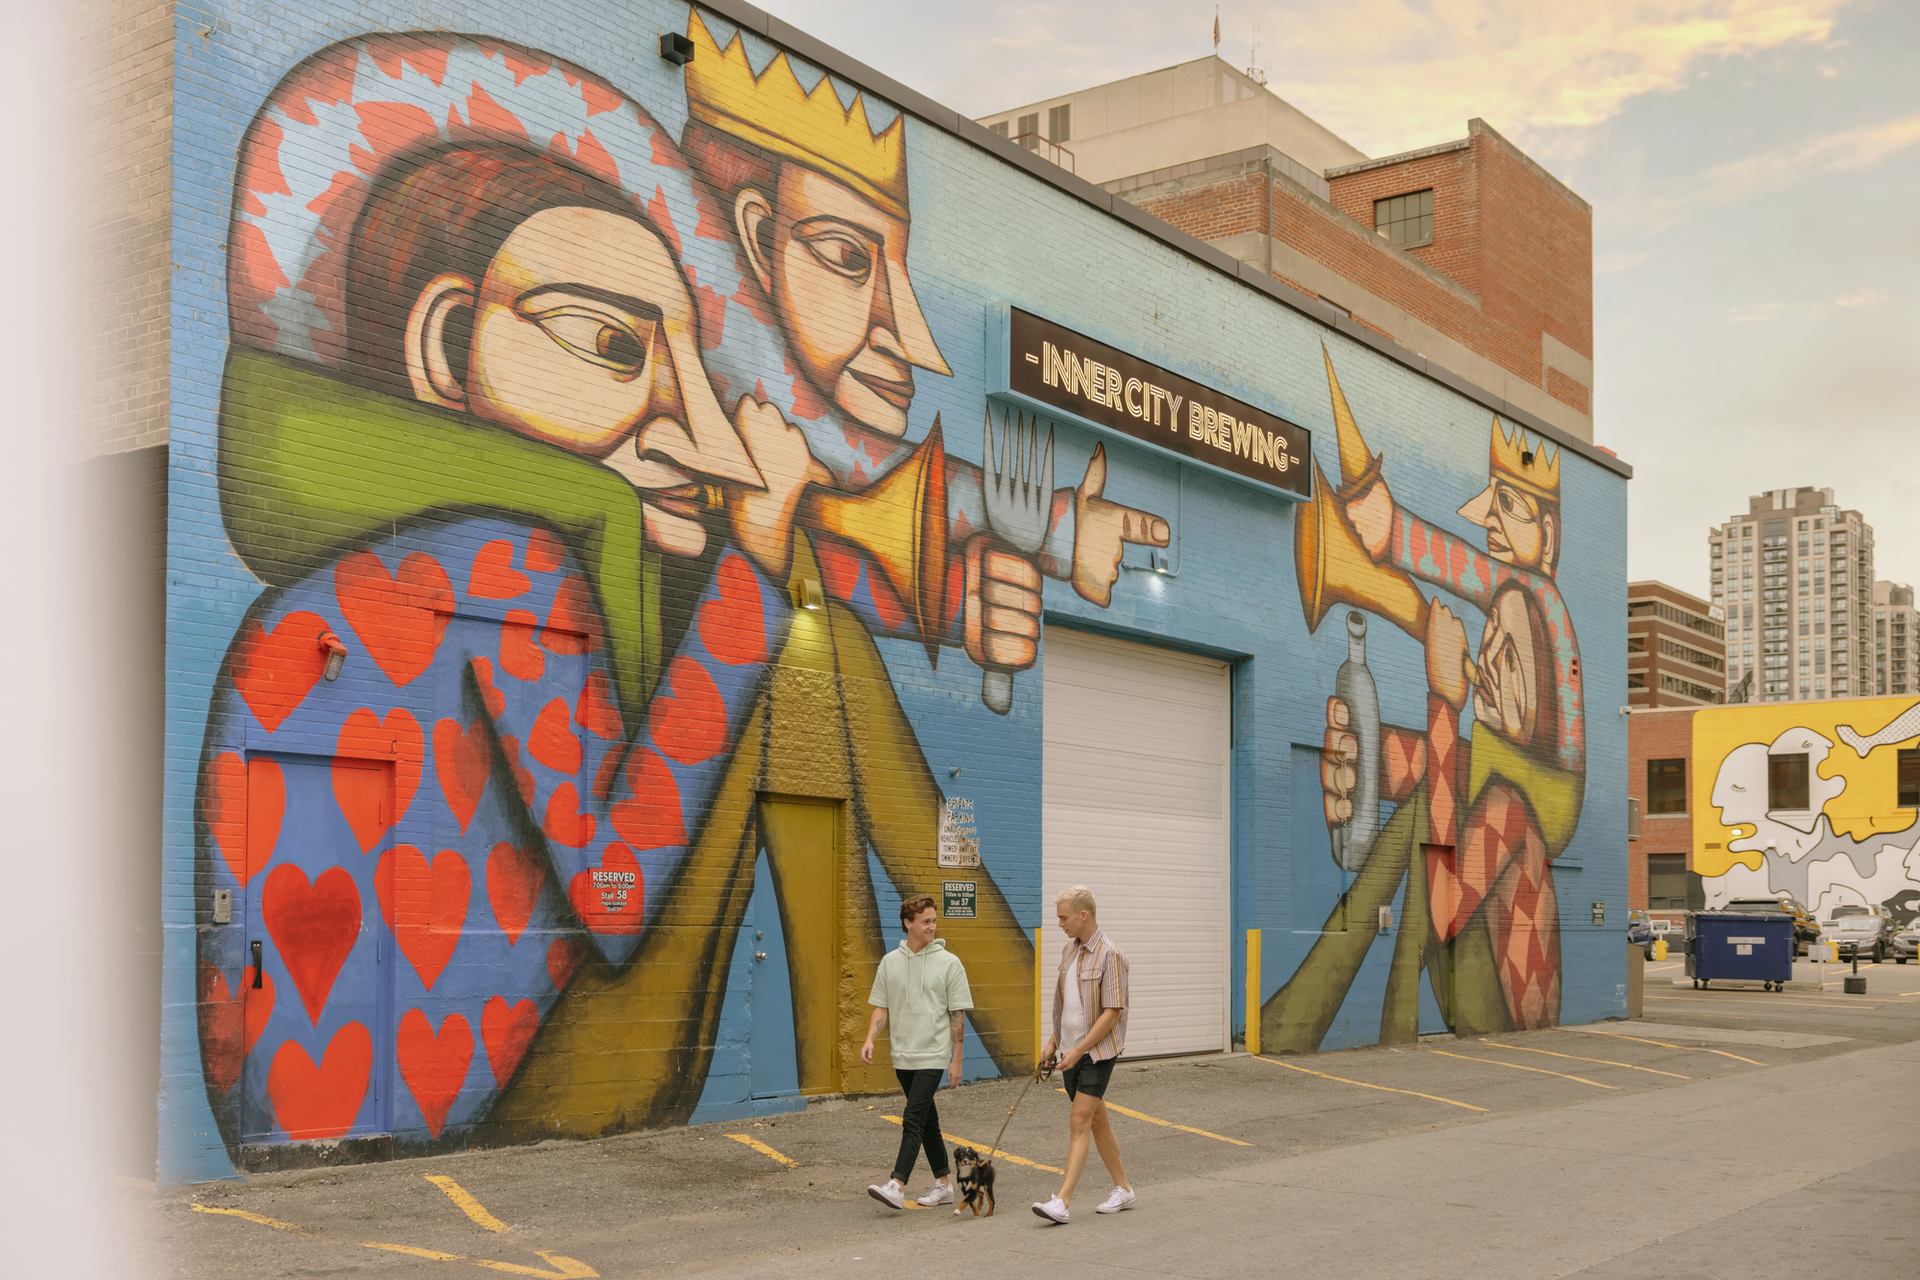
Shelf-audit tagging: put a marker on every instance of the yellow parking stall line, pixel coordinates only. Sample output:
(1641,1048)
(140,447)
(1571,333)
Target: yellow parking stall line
(747,1140)
(1788,1002)
(559,1266)
(244,1216)
(1662,1044)
(1383,1088)
(1168,1124)
(465,1202)
(1003,1154)
(1521,1066)
(1574,1057)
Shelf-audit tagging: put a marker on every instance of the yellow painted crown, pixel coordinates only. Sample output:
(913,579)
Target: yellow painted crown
(771,111)
(1507,461)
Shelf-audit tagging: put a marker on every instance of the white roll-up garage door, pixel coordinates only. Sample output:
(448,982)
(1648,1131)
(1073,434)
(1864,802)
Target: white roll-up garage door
(1135,793)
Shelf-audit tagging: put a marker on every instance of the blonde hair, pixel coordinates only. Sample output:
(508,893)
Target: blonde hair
(1076,897)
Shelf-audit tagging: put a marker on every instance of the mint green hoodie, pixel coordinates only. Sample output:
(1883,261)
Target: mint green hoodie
(921,993)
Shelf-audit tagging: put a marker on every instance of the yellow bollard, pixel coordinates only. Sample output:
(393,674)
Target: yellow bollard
(1659,948)
(1253,991)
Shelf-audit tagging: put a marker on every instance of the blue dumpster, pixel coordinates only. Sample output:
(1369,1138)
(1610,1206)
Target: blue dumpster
(1738,947)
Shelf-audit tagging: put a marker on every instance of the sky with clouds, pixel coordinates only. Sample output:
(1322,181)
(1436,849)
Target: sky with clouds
(1753,166)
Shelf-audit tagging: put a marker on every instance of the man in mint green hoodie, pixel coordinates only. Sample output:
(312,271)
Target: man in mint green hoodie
(921,989)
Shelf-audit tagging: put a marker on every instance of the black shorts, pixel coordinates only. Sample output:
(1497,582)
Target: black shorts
(1089,1078)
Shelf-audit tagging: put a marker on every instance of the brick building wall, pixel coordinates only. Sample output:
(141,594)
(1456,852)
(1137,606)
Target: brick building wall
(1657,734)
(521,866)
(1503,296)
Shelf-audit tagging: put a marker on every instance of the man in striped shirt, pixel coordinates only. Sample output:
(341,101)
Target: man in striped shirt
(1089,1031)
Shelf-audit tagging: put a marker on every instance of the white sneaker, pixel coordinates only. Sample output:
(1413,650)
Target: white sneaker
(1053,1209)
(890,1193)
(1121,1198)
(938,1194)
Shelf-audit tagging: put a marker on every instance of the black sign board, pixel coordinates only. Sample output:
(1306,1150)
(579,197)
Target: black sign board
(958,898)
(1056,368)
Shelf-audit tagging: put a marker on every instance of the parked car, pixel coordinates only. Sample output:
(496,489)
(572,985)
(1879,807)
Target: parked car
(1861,934)
(1906,942)
(1806,930)
(1640,931)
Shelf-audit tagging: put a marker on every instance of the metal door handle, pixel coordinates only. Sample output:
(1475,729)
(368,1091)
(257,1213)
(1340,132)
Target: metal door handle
(257,973)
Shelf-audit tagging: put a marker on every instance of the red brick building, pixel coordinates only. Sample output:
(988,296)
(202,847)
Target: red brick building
(1467,253)
(1659,761)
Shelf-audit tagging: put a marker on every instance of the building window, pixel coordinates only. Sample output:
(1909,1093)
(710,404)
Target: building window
(1787,781)
(1027,132)
(1405,221)
(1667,881)
(1000,128)
(1908,779)
(1060,122)
(1666,786)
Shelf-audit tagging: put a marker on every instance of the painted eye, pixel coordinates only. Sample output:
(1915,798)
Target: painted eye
(598,338)
(1514,507)
(841,254)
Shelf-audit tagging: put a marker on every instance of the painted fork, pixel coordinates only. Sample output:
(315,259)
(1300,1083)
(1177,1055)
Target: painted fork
(1017,482)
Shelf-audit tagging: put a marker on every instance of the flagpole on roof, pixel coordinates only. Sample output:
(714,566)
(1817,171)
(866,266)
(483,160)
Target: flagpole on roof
(1216,29)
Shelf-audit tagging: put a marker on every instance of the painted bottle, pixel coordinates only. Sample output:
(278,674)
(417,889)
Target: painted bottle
(1353,685)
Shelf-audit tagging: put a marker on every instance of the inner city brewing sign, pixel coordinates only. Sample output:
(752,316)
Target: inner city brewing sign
(1064,370)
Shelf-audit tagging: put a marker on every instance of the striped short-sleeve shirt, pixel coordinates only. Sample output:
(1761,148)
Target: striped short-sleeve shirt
(1101,970)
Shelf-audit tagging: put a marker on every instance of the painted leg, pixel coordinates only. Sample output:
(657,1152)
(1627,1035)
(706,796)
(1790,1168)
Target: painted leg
(899,808)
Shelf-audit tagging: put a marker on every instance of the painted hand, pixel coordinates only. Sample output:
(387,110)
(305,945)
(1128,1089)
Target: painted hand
(1446,656)
(763,520)
(1002,607)
(1370,512)
(1102,530)
(1338,751)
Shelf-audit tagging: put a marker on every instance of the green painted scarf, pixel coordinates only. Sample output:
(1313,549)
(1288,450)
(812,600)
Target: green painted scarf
(312,466)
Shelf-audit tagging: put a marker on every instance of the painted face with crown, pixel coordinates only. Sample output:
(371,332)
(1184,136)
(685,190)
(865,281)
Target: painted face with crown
(1519,508)
(820,209)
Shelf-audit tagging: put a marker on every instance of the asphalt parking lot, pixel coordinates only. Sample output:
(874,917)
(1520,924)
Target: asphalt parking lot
(1595,1151)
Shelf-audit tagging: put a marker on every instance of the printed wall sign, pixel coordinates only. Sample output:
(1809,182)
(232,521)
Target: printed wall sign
(1057,368)
(957,898)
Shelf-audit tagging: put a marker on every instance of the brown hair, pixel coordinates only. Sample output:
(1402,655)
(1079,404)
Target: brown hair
(446,212)
(730,166)
(912,907)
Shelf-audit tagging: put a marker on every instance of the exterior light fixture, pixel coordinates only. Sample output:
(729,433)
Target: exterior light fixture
(806,593)
(676,48)
(1159,559)
(336,654)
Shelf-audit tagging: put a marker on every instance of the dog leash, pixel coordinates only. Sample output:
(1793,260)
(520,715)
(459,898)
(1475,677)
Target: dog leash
(1040,1072)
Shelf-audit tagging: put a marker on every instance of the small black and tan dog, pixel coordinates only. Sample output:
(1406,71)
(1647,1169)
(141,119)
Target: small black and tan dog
(973,1175)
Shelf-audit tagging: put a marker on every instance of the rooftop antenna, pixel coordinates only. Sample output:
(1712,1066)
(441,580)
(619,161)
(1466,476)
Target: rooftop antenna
(1254,73)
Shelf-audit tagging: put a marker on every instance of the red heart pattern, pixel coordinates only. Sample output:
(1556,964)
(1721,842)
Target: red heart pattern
(425,903)
(434,1063)
(651,818)
(490,697)
(551,742)
(222,1029)
(733,624)
(565,822)
(224,808)
(361,803)
(493,577)
(596,713)
(400,617)
(563,960)
(573,623)
(611,899)
(520,657)
(688,724)
(507,1030)
(460,762)
(314,924)
(321,1101)
(513,886)
(275,670)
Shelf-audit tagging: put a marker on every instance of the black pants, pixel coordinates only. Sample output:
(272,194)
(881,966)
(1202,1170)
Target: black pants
(920,1125)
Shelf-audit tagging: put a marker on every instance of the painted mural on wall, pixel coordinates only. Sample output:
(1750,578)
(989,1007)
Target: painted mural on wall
(1803,799)
(1460,826)
(535,423)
